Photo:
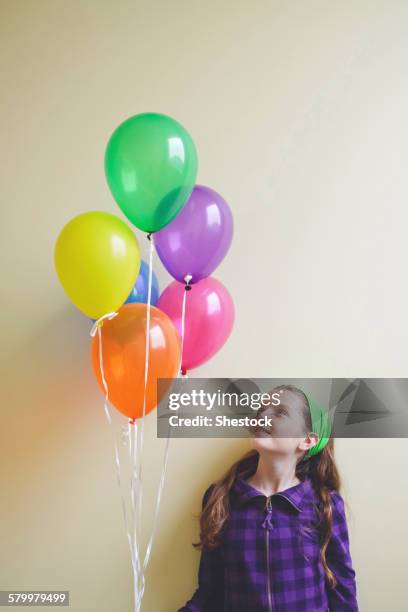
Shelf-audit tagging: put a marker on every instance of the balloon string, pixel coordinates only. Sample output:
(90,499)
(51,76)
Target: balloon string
(140,447)
(133,432)
(134,553)
(156,513)
(181,373)
(187,287)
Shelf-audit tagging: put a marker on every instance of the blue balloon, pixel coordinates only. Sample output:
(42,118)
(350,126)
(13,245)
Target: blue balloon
(141,287)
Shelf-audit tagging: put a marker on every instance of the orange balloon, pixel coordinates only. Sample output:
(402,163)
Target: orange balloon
(123,354)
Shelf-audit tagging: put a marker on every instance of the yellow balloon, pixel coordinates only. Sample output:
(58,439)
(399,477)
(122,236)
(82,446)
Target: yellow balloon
(97,258)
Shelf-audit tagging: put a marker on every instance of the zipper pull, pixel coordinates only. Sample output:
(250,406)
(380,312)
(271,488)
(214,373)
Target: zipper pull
(267,523)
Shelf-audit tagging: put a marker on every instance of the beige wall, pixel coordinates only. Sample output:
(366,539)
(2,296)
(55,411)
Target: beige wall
(299,113)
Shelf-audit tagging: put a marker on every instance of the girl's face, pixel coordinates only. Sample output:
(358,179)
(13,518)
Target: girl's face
(284,436)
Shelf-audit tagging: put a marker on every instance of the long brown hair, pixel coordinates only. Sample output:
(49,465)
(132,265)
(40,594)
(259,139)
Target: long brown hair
(320,468)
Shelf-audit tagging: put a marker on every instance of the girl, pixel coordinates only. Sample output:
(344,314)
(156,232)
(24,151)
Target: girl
(273,529)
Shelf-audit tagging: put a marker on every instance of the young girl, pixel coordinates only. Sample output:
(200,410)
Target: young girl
(273,529)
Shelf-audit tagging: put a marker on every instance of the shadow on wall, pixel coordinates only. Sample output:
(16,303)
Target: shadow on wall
(46,381)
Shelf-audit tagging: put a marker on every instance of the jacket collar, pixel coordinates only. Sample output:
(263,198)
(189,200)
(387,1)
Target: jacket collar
(297,495)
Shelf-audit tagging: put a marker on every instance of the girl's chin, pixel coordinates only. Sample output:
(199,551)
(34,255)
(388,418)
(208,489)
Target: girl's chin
(263,443)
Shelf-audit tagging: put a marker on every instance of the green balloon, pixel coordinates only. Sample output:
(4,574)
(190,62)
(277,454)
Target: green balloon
(151,169)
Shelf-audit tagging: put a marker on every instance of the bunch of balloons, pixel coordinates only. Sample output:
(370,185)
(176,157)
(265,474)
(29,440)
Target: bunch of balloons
(151,170)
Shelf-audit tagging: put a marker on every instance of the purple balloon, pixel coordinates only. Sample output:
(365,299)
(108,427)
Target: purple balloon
(197,240)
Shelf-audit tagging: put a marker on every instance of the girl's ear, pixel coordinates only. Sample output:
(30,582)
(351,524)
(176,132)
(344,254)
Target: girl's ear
(309,441)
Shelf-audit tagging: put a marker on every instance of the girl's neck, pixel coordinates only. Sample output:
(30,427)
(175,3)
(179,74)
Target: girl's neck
(273,476)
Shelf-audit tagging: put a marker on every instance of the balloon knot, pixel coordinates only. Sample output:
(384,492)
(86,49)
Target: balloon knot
(132,421)
(183,371)
(187,279)
(98,324)
(149,236)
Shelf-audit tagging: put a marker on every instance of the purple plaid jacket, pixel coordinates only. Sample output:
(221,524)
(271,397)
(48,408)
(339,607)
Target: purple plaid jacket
(269,561)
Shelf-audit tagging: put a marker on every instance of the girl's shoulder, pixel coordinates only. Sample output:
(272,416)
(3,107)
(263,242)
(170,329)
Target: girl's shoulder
(335,497)
(337,504)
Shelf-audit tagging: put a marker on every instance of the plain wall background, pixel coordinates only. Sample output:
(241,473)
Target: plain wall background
(298,111)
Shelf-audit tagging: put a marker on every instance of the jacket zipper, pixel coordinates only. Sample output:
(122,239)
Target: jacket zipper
(268,526)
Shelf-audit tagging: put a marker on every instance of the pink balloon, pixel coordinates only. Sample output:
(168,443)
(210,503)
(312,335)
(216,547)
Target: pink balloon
(209,318)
